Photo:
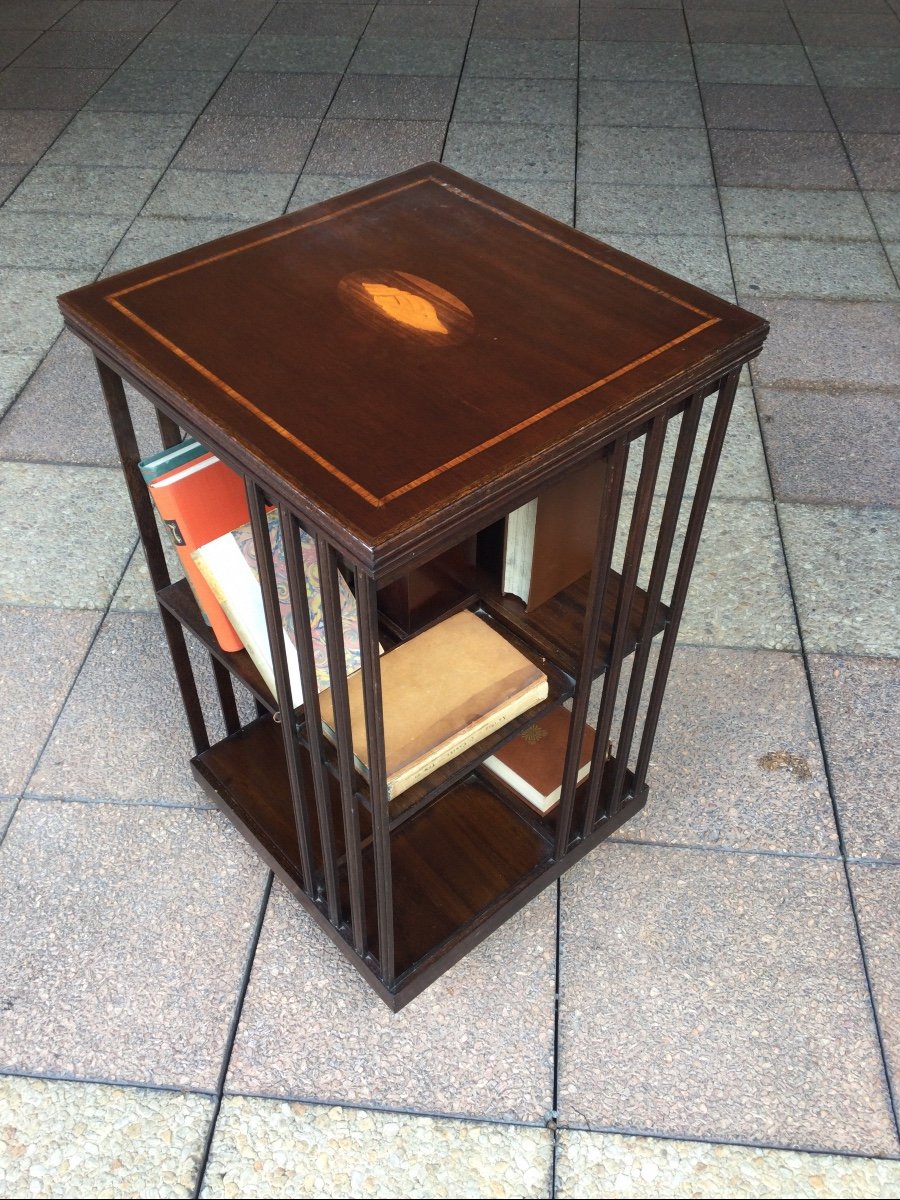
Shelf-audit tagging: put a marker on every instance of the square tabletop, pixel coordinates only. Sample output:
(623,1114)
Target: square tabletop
(409,353)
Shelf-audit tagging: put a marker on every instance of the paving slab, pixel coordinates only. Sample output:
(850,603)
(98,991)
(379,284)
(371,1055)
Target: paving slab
(624,102)
(14,42)
(640,61)
(876,159)
(274,93)
(56,242)
(216,16)
(62,87)
(702,261)
(520,101)
(150,238)
(63,48)
(765,106)
(847,29)
(298,1149)
(427,20)
(89,1139)
(15,369)
(478,1042)
(876,890)
(24,136)
(524,58)
(553,196)
(33,14)
(227,195)
(161,51)
(42,652)
(840,66)
(649,209)
(140,15)
(865,110)
(786,212)
(318,20)
(858,704)
(7,809)
(845,572)
(283,52)
(374,147)
(254,143)
(752,64)
(885,210)
(633,156)
(733,27)
(510,20)
(116,139)
(774,158)
(804,267)
(30,320)
(125,936)
(718,996)
(394,97)
(408,56)
(10,175)
(312,188)
(611,24)
(140,90)
(509,151)
(92,191)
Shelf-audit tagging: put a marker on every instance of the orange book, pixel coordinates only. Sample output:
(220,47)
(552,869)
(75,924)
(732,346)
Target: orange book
(532,763)
(200,502)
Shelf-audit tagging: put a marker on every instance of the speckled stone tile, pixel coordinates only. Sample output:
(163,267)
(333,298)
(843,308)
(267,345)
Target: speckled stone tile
(776,212)
(141,15)
(32,14)
(213,16)
(7,808)
(640,61)
(478,1042)
(623,155)
(88,1139)
(24,136)
(505,20)
(311,188)
(29,317)
(318,20)
(15,370)
(765,106)
(408,56)
(876,890)
(221,194)
(10,176)
(622,102)
(135,594)
(509,151)
(116,139)
(772,158)
(67,534)
(125,934)
(865,110)
(274,94)
(522,58)
(732,27)
(848,29)
(61,417)
(626,208)
(150,238)
(284,52)
(161,51)
(298,1149)
(42,650)
(521,101)
(65,88)
(90,190)
(374,147)
(57,242)
(254,143)
(803,267)
(702,261)
(885,210)
(632,1168)
(832,447)
(829,343)
(718,996)
(746,774)
(130,90)
(65,48)
(555,197)
(633,25)
(749,64)
(876,159)
(842,66)
(14,42)
(433,21)
(845,570)
(858,702)
(394,98)
(125,696)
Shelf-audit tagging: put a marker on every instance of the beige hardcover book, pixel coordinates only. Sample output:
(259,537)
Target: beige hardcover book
(442,691)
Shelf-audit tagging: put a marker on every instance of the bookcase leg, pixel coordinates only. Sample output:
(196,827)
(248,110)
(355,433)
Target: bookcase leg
(126,444)
(727,389)
(614,462)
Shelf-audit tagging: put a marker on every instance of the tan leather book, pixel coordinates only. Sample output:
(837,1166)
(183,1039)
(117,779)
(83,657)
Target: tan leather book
(442,692)
(550,541)
(532,763)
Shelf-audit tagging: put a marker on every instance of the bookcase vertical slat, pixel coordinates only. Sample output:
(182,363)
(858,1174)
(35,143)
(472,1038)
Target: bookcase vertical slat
(129,455)
(615,460)
(296,576)
(169,431)
(727,389)
(337,673)
(634,547)
(366,599)
(681,463)
(256,502)
(225,690)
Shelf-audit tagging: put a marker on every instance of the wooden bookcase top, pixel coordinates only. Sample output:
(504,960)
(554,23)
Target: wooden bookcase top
(407,360)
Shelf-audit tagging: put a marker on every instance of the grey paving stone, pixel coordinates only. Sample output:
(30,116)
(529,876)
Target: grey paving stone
(135,593)
(876,892)
(15,368)
(626,208)
(311,189)
(281,52)
(706,974)
(837,66)
(625,1168)
(554,22)
(216,16)
(408,56)
(42,650)
(832,448)
(220,194)
(765,106)
(51,240)
(394,97)
(150,238)
(102,15)
(760,783)
(865,110)
(791,212)
(641,61)
(885,210)
(85,190)
(114,139)
(273,94)
(821,343)
(522,101)
(770,158)
(876,159)
(29,316)
(845,29)
(800,267)
(254,143)
(736,27)
(446,1052)
(623,102)
(892,250)
(845,571)
(627,155)
(155,91)
(374,147)
(507,151)
(733,64)
(522,58)
(161,51)
(343,1151)
(857,700)
(317,20)
(60,415)
(66,88)
(9,178)
(14,42)
(24,136)
(107,912)
(553,197)
(611,24)
(67,508)
(422,20)
(32,14)
(702,261)
(7,808)
(137,1137)
(58,48)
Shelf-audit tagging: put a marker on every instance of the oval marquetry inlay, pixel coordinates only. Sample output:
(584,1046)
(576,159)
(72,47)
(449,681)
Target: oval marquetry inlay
(407,304)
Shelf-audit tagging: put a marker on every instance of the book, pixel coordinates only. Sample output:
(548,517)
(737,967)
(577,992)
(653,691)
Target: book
(200,502)
(164,461)
(532,764)
(229,566)
(442,691)
(550,542)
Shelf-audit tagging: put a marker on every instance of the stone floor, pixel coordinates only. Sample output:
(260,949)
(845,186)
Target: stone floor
(727,971)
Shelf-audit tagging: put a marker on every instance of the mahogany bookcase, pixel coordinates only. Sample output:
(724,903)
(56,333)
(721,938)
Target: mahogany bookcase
(396,370)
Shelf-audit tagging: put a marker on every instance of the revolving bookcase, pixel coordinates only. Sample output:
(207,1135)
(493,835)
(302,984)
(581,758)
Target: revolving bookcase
(396,370)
